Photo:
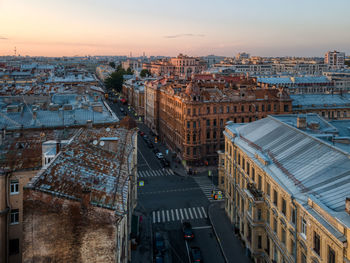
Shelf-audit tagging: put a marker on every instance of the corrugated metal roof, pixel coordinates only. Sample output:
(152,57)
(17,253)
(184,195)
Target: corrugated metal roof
(302,164)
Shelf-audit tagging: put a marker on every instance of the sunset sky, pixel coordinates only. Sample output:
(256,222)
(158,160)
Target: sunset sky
(163,27)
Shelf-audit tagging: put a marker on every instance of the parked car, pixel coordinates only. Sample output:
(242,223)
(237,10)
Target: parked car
(121,110)
(155,150)
(141,133)
(159,258)
(150,144)
(145,137)
(159,242)
(165,162)
(195,254)
(187,230)
(159,155)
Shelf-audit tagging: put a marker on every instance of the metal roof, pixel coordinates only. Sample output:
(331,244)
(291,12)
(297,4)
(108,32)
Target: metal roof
(303,165)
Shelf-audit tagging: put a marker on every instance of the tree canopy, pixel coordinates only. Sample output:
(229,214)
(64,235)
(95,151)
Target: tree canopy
(116,79)
(112,64)
(145,73)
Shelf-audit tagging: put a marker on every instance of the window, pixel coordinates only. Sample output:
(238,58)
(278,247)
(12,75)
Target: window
(14,217)
(293,215)
(188,111)
(208,110)
(253,174)
(292,247)
(259,214)
(268,189)
(275,198)
(317,243)
(248,168)
(227,109)
(221,122)
(262,107)
(235,108)
(208,134)
(194,125)
(259,182)
(242,108)
(221,109)
(14,187)
(259,242)
(214,123)
(284,206)
(268,217)
(208,123)
(214,135)
(274,107)
(188,138)
(188,151)
(188,124)
(303,226)
(269,107)
(331,255)
(214,109)
(13,246)
(194,151)
(286,108)
(302,258)
(194,111)
(275,225)
(283,235)
(194,137)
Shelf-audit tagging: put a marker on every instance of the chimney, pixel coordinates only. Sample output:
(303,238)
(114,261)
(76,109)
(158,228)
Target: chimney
(34,115)
(347,205)
(85,196)
(58,147)
(301,122)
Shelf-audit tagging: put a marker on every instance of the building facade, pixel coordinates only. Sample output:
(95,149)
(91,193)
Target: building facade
(334,59)
(190,116)
(79,207)
(285,193)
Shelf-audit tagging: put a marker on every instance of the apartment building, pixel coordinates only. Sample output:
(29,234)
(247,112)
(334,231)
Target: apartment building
(286,191)
(190,116)
(334,59)
(27,124)
(78,208)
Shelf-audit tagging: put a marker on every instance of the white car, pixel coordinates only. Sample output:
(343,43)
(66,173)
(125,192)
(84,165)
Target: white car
(159,155)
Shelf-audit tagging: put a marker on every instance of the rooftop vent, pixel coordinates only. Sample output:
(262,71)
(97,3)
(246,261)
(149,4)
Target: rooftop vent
(301,122)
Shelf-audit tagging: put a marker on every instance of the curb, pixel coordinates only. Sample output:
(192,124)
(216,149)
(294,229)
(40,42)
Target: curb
(216,234)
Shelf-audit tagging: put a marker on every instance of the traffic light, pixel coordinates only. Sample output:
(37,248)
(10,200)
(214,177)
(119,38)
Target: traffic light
(155,139)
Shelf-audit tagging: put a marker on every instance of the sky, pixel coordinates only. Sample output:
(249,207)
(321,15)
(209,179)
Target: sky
(163,27)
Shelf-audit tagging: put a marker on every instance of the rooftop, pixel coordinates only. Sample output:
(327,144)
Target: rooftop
(303,165)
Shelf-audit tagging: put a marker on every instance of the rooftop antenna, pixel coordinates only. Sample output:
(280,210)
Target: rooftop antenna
(130,54)
(15,50)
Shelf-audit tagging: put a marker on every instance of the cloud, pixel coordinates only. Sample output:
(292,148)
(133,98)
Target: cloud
(3,38)
(184,35)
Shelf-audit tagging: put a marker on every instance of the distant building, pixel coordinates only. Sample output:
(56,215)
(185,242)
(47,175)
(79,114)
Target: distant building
(104,71)
(286,190)
(335,59)
(132,64)
(243,55)
(79,207)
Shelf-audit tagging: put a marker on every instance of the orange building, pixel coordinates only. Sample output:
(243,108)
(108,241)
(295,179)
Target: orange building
(190,116)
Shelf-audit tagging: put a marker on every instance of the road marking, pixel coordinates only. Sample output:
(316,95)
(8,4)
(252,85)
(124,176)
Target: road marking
(194,212)
(205,214)
(189,211)
(163,215)
(172,215)
(201,227)
(158,213)
(154,216)
(186,213)
(199,212)
(144,159)
(182,216)
(171,171)
(177,214)
(167,215)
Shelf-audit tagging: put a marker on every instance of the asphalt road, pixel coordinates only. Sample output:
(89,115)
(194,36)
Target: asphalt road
(165,201)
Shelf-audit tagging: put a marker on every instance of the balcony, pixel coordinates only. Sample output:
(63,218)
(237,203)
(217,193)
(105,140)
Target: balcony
(254,192)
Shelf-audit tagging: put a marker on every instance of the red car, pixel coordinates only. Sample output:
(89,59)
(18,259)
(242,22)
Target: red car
(141,133)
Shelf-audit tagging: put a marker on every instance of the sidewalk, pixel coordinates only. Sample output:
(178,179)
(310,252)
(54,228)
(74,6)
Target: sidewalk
(230,245)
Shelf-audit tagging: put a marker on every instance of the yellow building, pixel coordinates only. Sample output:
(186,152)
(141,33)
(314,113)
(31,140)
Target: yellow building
(287,192)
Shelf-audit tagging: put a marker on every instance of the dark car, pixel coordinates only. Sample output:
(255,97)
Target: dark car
(195,254)
(159,258)
(159,242)
(187,230)
(150,144)
(141,133)
(155,150)
(165,163)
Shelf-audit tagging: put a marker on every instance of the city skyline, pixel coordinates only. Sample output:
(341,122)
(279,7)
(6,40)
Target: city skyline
(272,28)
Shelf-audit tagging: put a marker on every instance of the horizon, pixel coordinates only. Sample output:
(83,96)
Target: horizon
(158,28)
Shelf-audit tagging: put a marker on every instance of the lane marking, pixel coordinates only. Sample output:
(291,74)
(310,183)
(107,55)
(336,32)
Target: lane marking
(201,227)
(182,216)
(186,214)
(163,215)
(154,217)
(189,211)
(158,214)
(199,212)
(194,212)
(172,215)
(205,214)
(167,215)
(177,214)
(144,159)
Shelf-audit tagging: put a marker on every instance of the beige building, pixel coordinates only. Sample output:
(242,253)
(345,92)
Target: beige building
(334,59)
(287,192)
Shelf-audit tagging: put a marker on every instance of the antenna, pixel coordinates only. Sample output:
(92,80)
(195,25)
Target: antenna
(15,50)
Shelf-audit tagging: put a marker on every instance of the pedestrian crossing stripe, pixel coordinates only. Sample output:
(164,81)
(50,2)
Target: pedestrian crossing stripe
(178,214)
(206,186)
(150,173)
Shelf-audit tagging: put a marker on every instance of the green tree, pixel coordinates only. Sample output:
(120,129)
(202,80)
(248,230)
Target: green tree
(129,71)
(115,81)
(145,73)
(112,64)
(347,62)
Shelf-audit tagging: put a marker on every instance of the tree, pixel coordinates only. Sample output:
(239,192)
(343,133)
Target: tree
(112,64)
(145,73)
(347,62)
(115,81)
(129,71)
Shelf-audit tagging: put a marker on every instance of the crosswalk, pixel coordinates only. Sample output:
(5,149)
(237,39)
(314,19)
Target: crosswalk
(206,186)
(151,173)
(178,214)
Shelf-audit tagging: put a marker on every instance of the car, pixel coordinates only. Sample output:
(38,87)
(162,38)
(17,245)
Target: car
(195,254)
(155,150)
(145,137)
(165,162)
(159,258)
(187,230)
(121,109)
(159,242)
(150,144)
(141,133)
(159,155)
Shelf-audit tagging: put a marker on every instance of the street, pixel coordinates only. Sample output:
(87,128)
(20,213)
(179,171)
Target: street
(167,199)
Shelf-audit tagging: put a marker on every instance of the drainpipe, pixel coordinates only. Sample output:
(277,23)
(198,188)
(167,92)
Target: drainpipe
(296,231)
